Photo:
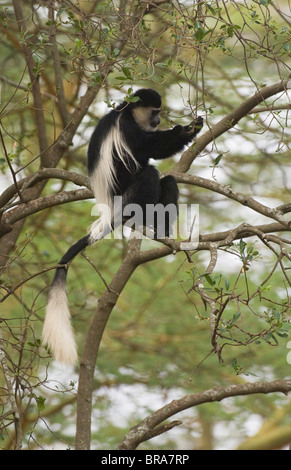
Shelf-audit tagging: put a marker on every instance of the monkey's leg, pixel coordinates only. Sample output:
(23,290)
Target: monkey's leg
(169,194)
(143,192)
(152,202)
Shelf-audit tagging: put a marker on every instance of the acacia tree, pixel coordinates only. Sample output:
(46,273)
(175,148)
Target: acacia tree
(225,60)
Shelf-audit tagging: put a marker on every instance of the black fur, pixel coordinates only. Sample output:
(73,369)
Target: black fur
(70,255)
(144,145)
(143,185)
(130,139)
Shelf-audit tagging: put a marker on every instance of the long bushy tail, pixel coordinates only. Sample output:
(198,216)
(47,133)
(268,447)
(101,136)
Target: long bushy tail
(58,333)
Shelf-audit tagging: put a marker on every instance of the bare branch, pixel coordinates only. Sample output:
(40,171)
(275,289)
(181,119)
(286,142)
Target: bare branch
(40,175)
(58,71)
(38,108)
(93,339)
(31,207)
(232,194)
(226,123)
(140,432)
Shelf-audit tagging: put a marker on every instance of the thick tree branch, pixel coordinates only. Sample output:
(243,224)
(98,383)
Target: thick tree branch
(58,70)
(37,100)
(65,139)
(146,428)
(106,303)
(40,175)
(210,241)
(229,121)
(52,159)
(24,210)
(229,192)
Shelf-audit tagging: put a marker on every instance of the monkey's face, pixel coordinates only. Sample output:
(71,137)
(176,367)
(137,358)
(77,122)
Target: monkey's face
(147,118)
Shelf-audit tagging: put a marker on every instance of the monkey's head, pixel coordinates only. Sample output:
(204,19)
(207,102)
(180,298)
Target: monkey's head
(146,110)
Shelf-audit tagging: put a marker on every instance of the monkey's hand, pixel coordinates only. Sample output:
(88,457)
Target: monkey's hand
(195,126)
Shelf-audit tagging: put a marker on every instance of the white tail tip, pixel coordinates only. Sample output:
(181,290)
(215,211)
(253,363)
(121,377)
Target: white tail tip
(58,333)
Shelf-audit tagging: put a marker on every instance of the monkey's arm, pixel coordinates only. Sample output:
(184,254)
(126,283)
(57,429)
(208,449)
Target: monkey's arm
(164,144)
(195,126)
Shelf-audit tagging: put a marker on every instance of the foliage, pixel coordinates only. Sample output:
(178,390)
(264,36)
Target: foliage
(182,322)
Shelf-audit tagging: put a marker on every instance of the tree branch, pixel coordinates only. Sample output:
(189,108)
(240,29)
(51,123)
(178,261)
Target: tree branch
(38,109)
(31,207)
(206,241)
(229,121)
(58,70)
(232,194)
(106,303)
(145,428)
(40,175)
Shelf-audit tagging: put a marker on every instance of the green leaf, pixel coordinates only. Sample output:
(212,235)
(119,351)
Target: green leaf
(270,337)
(287,47)
(209,279)
(218,158)
(235,318)
(199,34)
(242,246)
(41,402)
(96,78)
(115,52)
(282,334)
(211,9)
(127,72)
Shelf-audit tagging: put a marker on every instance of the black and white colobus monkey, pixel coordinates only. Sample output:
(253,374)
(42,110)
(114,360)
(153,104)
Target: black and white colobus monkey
(118,165)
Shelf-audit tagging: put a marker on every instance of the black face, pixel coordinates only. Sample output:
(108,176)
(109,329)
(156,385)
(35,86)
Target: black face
(154,119)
